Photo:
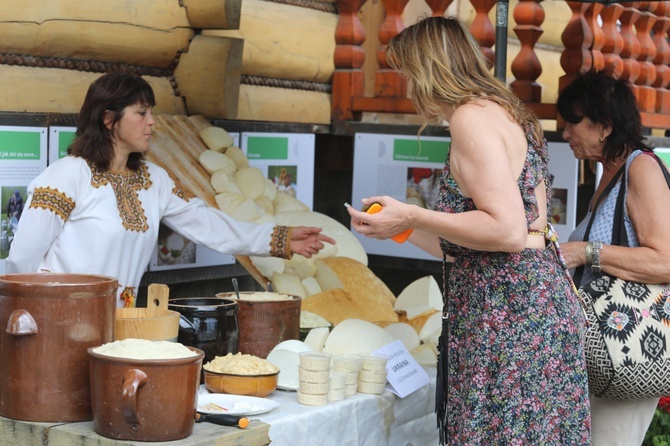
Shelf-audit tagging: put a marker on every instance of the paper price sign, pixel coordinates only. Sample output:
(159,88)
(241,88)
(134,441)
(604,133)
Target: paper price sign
(403,373)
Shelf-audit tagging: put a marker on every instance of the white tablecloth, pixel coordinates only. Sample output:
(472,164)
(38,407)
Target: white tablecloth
(358,420)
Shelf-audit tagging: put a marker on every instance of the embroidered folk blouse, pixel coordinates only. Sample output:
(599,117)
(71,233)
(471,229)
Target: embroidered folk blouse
(78,219)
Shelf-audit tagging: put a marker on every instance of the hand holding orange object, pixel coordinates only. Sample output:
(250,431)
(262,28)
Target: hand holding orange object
(398,238)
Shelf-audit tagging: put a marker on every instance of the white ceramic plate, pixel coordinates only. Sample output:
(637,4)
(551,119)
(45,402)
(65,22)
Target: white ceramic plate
(235,404)
(288,388)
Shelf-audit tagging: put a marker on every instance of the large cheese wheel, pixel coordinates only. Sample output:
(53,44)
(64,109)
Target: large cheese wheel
(423,292)
(363,284)
(335,306)
(338,305)
(355,336)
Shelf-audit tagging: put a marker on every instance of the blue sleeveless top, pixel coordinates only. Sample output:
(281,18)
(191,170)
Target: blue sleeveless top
(602,224)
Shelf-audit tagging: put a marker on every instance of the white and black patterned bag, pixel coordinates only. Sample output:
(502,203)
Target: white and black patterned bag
(628,334)
(628,338)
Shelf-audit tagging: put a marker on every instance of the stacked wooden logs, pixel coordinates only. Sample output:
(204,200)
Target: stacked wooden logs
(224,59)
(51,51)
(288,60)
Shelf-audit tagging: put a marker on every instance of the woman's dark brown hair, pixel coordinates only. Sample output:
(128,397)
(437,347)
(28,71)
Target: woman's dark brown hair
(608,100)
(110,93)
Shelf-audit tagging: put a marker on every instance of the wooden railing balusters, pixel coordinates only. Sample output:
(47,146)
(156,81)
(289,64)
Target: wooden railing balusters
(646,94)
(483,30)
(526,67)
(662,59)
(617,36)
(613,42)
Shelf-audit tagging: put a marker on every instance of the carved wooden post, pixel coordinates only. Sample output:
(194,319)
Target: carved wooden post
(613,42)
(348,79)
(646,93)
(482,29)
(438,7)
(662,59)
(389,83)
(577,38)
(526,67)
(631,46)
(591,17)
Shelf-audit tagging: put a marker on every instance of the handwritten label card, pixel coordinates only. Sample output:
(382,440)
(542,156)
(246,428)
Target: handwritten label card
(404,374)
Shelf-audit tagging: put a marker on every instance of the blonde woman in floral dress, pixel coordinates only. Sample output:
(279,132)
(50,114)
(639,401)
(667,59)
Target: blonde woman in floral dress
(511,368)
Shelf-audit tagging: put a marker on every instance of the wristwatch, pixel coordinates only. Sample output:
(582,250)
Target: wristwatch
(593,250)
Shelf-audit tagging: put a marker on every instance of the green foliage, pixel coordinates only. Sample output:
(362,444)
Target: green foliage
(658,433)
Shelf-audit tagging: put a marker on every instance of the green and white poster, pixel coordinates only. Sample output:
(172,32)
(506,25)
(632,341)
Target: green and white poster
(60,139)
(23,156)
(285,158)
(404,167)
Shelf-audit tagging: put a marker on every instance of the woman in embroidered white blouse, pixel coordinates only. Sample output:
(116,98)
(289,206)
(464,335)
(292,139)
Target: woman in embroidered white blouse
(97,211)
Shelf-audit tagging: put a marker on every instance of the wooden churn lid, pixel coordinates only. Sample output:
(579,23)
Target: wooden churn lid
(155,322)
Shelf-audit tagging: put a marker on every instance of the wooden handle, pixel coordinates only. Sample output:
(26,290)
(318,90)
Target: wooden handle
(157,299)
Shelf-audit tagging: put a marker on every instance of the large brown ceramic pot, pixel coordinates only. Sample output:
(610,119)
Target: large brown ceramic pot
(144,399)
(47,323)
(264,323)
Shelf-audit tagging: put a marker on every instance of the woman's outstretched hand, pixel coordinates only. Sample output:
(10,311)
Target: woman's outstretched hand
(307,241)
(383,225)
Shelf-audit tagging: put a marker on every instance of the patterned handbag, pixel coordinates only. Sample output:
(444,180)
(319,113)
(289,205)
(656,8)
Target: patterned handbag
(628,333)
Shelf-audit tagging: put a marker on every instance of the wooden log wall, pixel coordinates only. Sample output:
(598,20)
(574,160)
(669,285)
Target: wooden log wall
(51,51)
(288,60)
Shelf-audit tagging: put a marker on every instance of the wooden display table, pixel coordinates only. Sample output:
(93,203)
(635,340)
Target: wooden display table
(15,432)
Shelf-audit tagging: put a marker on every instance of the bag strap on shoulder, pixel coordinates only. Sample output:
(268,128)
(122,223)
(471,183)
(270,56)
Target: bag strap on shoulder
(619,234)
(579,272)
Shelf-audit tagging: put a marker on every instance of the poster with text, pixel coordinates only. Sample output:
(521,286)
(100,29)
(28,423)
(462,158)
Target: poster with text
(23,156)
(285,158)
(406,168)
(60,139)
(565,168)
(176,252)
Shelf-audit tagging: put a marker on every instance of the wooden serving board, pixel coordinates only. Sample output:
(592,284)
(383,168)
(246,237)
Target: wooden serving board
(175,146)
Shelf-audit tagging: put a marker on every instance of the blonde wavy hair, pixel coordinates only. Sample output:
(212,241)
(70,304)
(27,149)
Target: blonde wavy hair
(444,65)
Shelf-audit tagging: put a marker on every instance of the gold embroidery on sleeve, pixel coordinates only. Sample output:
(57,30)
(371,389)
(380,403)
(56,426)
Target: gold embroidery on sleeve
(52,200)
(181,193)
(279,243)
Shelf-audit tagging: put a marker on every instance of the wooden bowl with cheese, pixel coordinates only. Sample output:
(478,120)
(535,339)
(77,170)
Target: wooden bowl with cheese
(247,385)
(241,374)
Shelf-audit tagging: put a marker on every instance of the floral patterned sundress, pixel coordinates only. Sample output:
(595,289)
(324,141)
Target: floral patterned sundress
(516,367)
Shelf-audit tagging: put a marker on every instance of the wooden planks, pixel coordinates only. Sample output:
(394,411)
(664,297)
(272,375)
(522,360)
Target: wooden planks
(16,432)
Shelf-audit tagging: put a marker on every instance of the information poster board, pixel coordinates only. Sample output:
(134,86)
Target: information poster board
(176,252)
(409,169)
(285,158)
(565,168)
(23,152)
(60,139)
(404,167)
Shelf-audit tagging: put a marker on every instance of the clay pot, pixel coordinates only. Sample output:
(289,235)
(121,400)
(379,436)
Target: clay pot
(144,400)
(265,323)
(47,323)
(207,323)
